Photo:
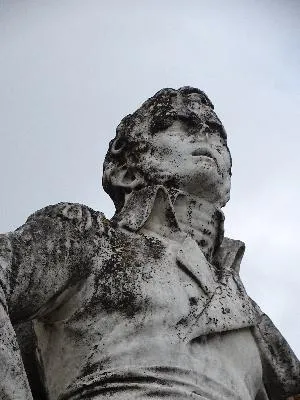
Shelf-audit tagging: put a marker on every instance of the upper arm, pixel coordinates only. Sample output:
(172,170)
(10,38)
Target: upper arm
(280,365)
(50,252)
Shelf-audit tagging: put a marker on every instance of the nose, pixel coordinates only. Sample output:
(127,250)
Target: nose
(200,137)
(205,130)
(203,135)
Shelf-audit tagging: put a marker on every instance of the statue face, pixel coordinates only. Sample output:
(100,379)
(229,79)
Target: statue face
(194,161)
(174,139)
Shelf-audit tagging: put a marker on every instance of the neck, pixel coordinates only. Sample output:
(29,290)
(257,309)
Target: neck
(202,220)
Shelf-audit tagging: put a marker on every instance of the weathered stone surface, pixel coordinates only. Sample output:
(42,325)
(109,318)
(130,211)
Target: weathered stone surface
(149,304)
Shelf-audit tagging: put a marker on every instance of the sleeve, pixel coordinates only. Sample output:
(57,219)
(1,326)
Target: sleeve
(38,263)
(281,368)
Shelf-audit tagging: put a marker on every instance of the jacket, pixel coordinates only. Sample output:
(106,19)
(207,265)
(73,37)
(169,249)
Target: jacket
(93,287)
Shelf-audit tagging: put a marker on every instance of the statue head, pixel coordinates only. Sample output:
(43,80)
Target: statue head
(174,139)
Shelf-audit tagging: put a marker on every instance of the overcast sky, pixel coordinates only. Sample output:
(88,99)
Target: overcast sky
(71,69)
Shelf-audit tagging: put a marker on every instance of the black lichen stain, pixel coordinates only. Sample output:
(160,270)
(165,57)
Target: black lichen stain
(154,248)
(193,301)
(125,272)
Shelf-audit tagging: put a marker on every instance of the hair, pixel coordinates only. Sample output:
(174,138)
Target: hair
(155,114)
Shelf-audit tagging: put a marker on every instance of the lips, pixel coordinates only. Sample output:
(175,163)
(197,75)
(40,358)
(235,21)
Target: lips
(207,153)
(203,152)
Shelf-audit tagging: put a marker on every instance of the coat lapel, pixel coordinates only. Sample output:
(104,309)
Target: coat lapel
(191,259)
(228,307)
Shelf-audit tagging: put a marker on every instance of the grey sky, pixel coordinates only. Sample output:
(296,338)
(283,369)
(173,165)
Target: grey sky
(71,69)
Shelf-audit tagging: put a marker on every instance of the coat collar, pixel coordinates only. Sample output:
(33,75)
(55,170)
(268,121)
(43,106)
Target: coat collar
(139,208)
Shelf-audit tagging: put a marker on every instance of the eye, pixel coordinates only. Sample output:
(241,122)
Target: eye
(214,126)
(118,145)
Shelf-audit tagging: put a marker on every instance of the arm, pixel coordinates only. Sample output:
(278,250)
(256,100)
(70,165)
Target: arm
(13,381)
(38,263)
(280,365)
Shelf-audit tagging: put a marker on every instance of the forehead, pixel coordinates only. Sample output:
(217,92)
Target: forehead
(160,112)
(192,109)
(195,98)
(195,105)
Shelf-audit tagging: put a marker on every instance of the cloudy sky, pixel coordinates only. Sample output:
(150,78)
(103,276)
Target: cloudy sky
(71,69)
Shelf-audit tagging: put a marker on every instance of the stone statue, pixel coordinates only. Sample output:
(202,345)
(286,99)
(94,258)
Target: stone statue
(149,304)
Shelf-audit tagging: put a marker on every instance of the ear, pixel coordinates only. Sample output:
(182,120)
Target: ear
(127,177)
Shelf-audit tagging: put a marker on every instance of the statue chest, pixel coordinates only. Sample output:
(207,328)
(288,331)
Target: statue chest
(157,285)
(148,281)
(143,277)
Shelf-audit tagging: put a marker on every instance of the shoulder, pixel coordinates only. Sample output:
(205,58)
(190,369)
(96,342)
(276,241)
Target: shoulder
(77,215)
(230,254)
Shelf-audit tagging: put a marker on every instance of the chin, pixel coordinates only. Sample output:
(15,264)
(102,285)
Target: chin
(210,186)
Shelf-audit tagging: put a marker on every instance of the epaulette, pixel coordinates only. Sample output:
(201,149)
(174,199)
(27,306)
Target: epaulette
(82,216)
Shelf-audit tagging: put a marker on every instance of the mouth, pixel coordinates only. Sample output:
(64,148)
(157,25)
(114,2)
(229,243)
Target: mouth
(203,153)
(206,154)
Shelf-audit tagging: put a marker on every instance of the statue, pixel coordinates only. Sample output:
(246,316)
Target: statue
(149,304)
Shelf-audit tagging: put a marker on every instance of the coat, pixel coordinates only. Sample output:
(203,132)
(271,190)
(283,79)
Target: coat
(95,288)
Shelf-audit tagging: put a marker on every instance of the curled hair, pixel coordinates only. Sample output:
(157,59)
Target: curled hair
(156,114)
